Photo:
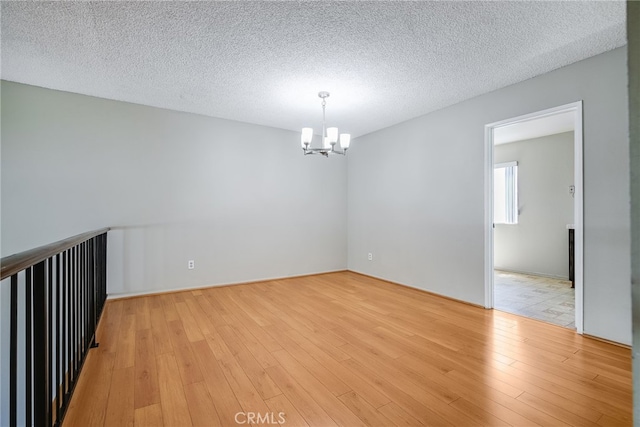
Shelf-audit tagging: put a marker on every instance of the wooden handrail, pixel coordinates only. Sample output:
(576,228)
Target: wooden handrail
(15,263)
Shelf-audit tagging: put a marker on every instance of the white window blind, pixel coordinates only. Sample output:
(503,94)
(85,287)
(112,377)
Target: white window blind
(505,193)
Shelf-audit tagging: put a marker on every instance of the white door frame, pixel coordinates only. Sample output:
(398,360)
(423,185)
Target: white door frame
(578,212)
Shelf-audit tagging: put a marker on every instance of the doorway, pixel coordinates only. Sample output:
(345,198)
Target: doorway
(570,114)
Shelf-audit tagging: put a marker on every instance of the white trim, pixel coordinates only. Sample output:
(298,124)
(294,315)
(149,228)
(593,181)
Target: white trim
(504,165)
(578,216)
(578,210)
(488,216)
(120,295)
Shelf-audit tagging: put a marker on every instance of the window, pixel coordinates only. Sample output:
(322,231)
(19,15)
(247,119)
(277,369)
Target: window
(505,193)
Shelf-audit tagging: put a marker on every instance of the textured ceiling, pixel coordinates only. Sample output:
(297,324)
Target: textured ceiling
(264,62)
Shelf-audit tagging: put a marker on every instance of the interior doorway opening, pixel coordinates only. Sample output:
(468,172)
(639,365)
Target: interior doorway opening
(531,269)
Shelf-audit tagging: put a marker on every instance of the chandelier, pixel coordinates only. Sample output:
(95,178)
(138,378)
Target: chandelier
(329,136)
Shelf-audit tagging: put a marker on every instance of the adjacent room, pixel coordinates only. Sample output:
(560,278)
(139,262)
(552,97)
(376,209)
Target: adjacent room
(308,213)
(534,234)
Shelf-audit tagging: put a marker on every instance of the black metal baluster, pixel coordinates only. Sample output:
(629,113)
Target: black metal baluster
(79,310)
(84,297)
(80,302)
(66,290)
(98,268)
(99,292)
(41,389)
(105,248)
(59,388)
(28,341)
(72,313)
(85,332)
(76,306)
(13,353)
(92,289)
(49,380)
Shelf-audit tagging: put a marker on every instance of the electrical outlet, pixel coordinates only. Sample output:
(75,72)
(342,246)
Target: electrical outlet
(191,264)
(370,256)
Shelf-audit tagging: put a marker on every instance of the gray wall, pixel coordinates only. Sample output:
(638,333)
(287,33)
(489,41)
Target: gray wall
(633,34)
(233,197)
(539,242)
(416,191)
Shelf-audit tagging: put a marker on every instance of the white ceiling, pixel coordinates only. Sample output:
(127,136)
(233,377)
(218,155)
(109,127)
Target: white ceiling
(264,62)
(535,128)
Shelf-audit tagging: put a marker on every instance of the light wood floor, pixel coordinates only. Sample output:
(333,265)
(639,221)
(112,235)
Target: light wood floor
(341,349)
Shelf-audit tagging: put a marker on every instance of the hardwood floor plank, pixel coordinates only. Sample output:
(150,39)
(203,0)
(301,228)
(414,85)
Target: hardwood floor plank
(244,390)
(607,421)
(474,404)
(214,315)
(486,384)
(477,390)
(143,320)
(126,347)
(170,312)
(160,331)
(201,408)
(191,327)
(561,370)
(534,416)
(216,298)
(410,403)
(479,415)
(433,393)
(313,414)
(360,386)
(603,365)
(397,415)
(222,395)
(589,388)
(281,407)
(109,327)
(581,402)
(317,369)
(315,388)
(189,371)
(236,317)
(555,411)
(148,416)
(318,340)
(89,403)
(261,354)
(129,307)
(243,309)
(146,389)
(363,410)
(120,408)
(530,386)
(175,410)
(622,386)
(259,378)
(416,351)
(358,331)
